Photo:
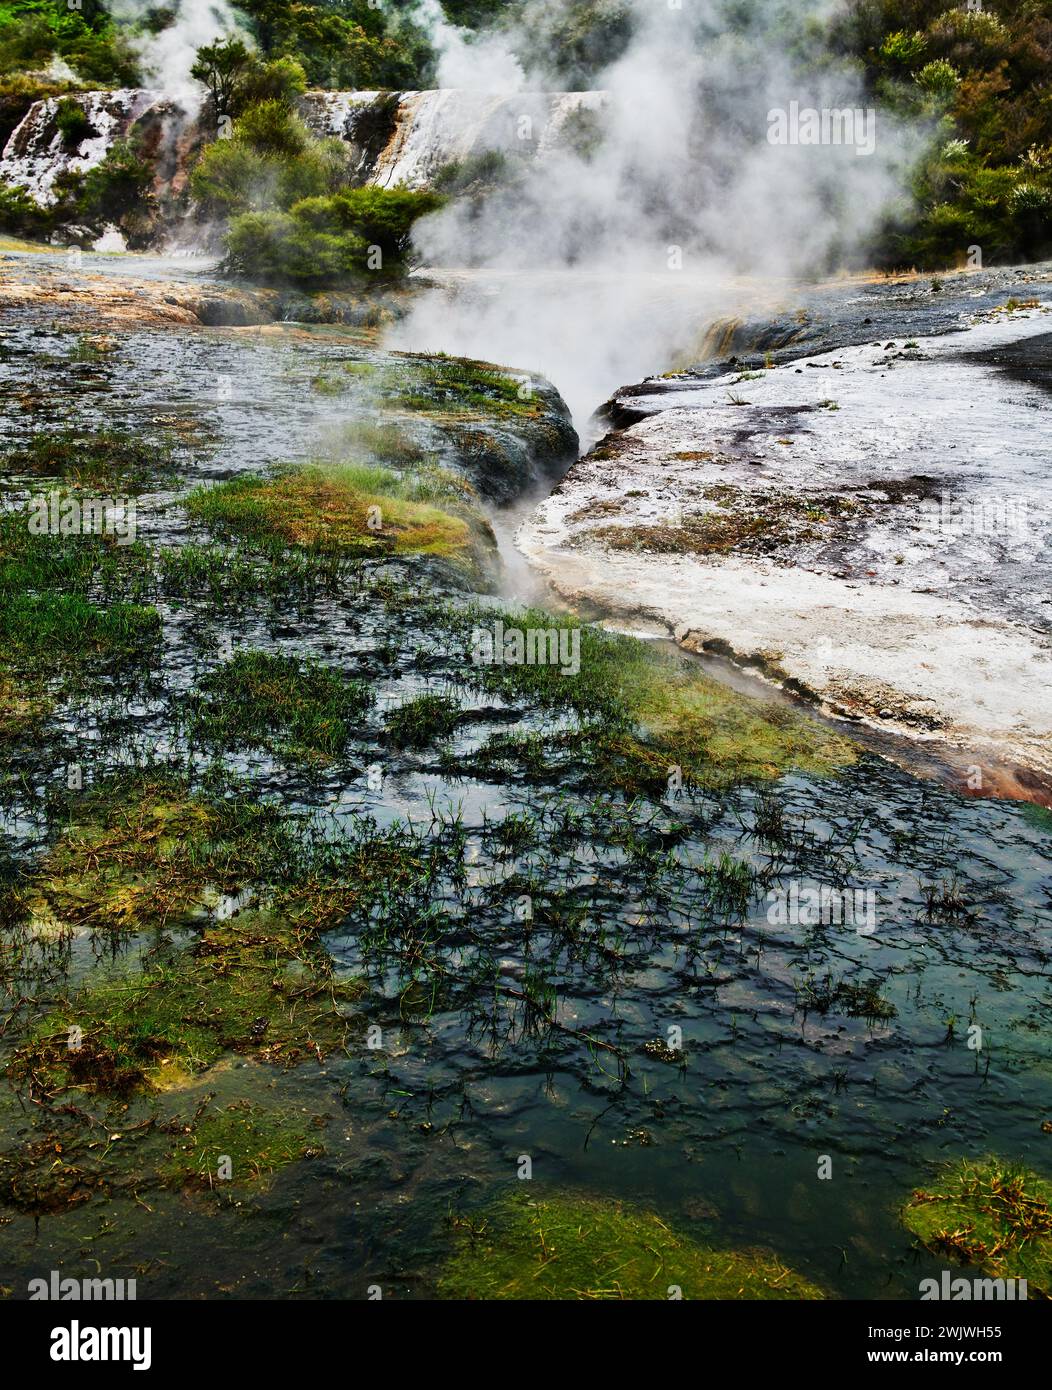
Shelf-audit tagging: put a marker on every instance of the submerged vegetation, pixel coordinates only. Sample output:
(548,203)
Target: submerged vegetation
(322,907)
(650,722)
(53,618)
(262,699)
(581,1248)
(103,458)
(299,882)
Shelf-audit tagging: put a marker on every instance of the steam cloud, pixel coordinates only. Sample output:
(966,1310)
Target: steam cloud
(167,57)
(466,61)
(623,252)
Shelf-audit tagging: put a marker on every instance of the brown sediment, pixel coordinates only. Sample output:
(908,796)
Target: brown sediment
(94,301)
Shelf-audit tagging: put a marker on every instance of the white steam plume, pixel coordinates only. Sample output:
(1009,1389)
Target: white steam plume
(623,253)
(167,57)
(482,62)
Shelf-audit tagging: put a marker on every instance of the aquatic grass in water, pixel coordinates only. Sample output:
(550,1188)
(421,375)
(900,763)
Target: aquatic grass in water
(253,985)
(535,908)
(564,1247)
(240,1142)
(97,458)
(298,707)
(425,720)
(64,605)
(644,716)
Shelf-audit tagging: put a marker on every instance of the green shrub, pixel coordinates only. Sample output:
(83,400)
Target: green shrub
(273,128)
(220,67)
(354,45)
(232,177)
(35,31)
(328,240)
(118,187)
(382,217)
(18,92)
(939,79)
(72,122)
(283,79)
(973,38)
(902,50)
(294,218)
(961,202)
(275,247)
(20,215)
(236,78)
(487,170)
(270,161)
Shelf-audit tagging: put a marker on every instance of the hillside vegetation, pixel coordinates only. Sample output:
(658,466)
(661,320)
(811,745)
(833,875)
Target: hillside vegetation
(976,77)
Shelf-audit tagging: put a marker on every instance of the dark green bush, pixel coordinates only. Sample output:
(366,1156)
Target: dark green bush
(32,32)
(275,247)
(382,217)
(72,122)
(119,187)
(344,44)
(270,161)
(20,215)
(338,239)
(960,202)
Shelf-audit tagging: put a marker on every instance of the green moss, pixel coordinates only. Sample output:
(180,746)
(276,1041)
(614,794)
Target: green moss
(254,985)
(296,220)
(346,508)
(644,714)
(1040,817)
(461,386)
(217,572)
(62,631)
(141,851)
(14,243)
(196,1142)
(297,707)
(141,855)
(989,1214)
(387,443)
(567,1248)
(72,122)
(22,713)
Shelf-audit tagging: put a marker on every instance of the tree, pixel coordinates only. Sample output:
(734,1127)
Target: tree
(220,66)
(269,18)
